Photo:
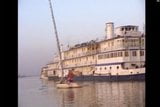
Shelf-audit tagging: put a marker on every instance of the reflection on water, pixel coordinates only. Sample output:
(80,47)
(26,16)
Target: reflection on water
(34,92)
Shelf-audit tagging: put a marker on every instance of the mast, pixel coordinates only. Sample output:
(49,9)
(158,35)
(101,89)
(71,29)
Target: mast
(58,43)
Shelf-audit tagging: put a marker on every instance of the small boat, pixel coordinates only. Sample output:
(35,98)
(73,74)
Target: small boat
(59,85)
(69,85)
(44,77)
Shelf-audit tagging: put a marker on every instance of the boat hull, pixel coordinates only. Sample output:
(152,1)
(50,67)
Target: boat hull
(135,77)
(70,85)
(43,77)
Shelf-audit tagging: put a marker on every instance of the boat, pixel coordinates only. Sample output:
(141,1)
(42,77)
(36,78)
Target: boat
(61,83)
(120,55)
(68,85)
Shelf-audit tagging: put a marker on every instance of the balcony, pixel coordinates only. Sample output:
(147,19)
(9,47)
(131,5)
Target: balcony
(82,54)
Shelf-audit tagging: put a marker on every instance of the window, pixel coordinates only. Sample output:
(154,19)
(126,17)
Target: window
(132,28)
(117,67)
(97,47)
(131,42)
(115,54)
(126,40)
(100,57)
(141,53)
(87,58)
(123,40)
(142,42)
(105,56)
(112,43)
(108,44)
(126,53)
(133,64)
(105,68)
(108,55)
(120,54)
(110,67)
(54,72)
(111,54)
(134,53)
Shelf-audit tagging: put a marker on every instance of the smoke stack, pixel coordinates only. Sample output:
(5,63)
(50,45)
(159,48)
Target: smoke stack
(109,30)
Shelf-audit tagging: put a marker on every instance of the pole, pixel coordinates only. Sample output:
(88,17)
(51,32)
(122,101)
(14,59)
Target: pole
(58,43)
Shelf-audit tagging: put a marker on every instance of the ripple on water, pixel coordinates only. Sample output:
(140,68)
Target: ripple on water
(37,93)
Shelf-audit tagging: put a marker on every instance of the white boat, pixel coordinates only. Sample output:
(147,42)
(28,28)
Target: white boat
(68,85)
(120,54)
(43,77)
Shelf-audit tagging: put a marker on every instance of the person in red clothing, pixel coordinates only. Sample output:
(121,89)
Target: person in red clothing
(70,76)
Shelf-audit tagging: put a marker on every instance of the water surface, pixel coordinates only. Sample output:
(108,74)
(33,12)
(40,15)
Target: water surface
(34,92)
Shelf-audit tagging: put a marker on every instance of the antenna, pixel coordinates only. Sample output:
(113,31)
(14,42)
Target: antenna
(58,43)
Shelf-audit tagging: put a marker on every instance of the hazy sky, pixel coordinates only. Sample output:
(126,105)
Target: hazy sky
(77,21)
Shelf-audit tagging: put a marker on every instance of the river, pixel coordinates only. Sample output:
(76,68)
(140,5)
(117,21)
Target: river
(35,92)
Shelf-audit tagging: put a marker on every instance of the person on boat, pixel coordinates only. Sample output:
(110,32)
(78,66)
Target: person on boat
(70,76)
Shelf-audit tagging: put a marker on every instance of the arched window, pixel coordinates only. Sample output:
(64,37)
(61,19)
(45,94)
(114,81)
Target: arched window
(105,68)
